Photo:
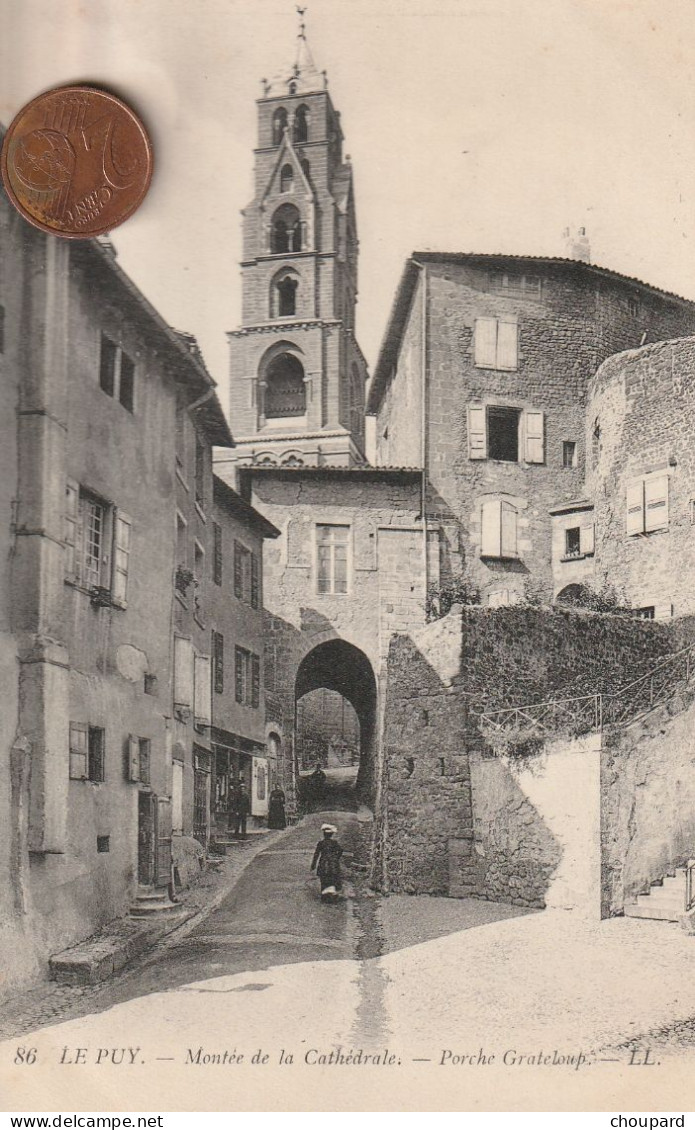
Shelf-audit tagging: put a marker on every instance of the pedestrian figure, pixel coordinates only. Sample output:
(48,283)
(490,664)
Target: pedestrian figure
(232,803)
(316,782)
(242,809)
(276,808)
(326,861)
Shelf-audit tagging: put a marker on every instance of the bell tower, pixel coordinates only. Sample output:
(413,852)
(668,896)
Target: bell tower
(297,374)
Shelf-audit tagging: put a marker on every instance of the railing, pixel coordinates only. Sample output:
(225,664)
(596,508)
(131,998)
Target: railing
(594,712)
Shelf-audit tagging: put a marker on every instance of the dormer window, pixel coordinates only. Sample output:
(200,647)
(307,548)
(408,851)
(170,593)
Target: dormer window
(279,124)
(301,124)
(286,178)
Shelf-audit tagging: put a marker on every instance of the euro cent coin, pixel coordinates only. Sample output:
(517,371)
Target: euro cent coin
(76,162)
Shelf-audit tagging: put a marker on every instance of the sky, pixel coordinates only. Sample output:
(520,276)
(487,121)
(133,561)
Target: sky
(473,125)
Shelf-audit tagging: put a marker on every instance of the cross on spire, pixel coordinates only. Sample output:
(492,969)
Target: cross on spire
(302,25)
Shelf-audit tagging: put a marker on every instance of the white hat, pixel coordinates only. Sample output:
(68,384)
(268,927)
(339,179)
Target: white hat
(328,828)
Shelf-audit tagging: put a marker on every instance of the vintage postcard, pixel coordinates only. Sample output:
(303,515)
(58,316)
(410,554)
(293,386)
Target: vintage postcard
(347,522)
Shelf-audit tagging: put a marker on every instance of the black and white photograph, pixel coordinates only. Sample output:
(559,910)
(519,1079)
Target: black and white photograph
(347,556)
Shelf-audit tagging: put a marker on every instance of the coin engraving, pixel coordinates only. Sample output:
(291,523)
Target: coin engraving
(76,162)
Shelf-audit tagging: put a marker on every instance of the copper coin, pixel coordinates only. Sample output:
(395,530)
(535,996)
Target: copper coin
(76,162)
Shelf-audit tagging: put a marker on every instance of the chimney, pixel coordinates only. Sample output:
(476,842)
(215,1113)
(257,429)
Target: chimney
(577,245)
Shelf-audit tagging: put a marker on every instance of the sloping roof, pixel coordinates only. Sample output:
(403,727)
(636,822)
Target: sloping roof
(225,496)
(303,72)
(408,282)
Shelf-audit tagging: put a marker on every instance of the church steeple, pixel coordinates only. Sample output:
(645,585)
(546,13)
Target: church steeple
(297,373)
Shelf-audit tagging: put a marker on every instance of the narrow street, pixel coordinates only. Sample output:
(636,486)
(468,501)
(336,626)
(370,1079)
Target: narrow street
(461,993)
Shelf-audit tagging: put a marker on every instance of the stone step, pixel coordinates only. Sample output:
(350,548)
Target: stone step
(636,910)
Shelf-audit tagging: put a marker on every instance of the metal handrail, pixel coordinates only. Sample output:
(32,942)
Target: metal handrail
(616,708)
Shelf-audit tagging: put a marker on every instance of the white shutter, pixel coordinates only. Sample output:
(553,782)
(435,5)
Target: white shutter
(486,342)
(508,530)
(122,526)
(183,672)
(79,749)
(203,690)
(656,503)
(586,540)
(491,529)
(535,440)
(507,350)
(132,758)
(70,534)
(635,507)
(477,446)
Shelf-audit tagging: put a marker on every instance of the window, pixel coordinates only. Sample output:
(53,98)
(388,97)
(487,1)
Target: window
(496,343)
(579,541)
(503,434)
(285,393)
(633,306)
(216,553)
(103,843)
(2,329)
(279,124)
(498,529)
(647,504)
(498,599)
(286,231)
(569,453)
(332,558)
(286,178)
(181,439)
(247,677)
(116,373)
(97,542)
(200,468)
(242,572)
(522,286)
(647,613)
(218,662)
(87,747)
(301,124)
(181,540)
(138,759)
(285,297)
(499,432)
(198,579)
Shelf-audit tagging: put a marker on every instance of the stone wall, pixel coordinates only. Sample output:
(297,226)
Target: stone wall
(648,802)
(640,418)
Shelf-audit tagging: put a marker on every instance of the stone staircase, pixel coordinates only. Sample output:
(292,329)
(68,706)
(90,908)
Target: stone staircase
(151,901)
(666,900)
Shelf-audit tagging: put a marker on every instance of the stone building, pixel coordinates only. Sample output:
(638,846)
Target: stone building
(640,477)
(484,371)
(297,373)
(234,617)
(94,383)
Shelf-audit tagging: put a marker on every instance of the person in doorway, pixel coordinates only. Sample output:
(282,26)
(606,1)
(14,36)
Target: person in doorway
(242,810)
(276,808)
(232,798)
(326,862)
(316,782)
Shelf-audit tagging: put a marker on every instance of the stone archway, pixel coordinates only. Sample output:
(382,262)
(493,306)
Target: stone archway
(339,666)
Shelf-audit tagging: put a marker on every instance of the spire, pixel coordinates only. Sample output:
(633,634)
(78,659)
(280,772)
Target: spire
(303,77)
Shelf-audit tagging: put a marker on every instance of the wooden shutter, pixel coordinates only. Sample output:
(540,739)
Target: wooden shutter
(122,527)
(508,524)
(486,342)
(183,672)
(238,571)
(535,440)
(255,680)
(255,580)
(635,507)
(507,338)
(79,751)
(132,758)
(491,529)
(586,539)
(477,445)
(238,674)
(218,661)
(217,553)
(70,534)
(203,690)
(656,503)
(163,861)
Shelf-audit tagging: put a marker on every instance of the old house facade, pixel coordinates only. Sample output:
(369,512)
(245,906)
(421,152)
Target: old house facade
(484,371)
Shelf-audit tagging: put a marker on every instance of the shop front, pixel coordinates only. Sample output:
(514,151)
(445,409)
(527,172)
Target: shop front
(235,759)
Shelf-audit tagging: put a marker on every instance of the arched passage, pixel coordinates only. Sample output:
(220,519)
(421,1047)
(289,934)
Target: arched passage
(338,666)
